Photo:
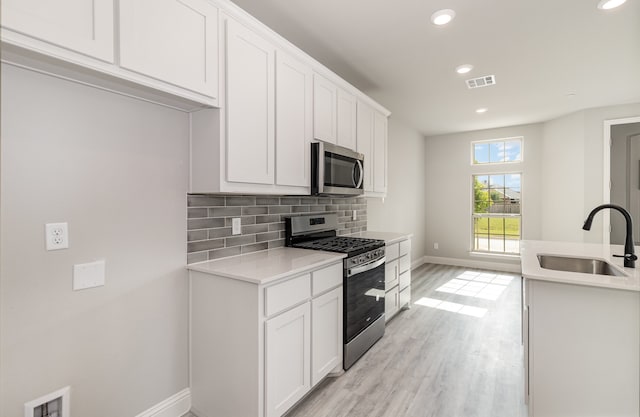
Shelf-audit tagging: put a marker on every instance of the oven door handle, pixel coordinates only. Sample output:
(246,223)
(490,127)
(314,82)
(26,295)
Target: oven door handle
(366,267)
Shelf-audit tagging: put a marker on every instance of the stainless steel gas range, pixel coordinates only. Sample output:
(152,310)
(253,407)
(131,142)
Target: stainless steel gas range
(363,274)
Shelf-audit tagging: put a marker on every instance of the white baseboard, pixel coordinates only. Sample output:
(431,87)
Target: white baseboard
(418,262)
(495,266)
(175,406)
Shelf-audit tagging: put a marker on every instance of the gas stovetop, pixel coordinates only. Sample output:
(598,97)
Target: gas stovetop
(349,245)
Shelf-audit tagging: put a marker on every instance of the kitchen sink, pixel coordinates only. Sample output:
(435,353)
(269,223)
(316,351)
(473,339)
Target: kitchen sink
(582,265)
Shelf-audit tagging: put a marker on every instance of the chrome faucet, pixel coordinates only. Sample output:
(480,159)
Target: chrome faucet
(629,254)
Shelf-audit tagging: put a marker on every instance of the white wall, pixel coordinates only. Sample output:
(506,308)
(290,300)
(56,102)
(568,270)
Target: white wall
(574,168)
(403,210)
(449,192)
(115,169)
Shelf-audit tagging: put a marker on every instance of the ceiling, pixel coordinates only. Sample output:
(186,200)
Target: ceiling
(540,51)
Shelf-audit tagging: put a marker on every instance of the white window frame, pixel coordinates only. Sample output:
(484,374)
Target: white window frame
(506,139)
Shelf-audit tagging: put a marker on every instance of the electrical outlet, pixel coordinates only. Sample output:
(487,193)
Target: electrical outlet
(56,236)
(354,216)
(436,246)
(235,226)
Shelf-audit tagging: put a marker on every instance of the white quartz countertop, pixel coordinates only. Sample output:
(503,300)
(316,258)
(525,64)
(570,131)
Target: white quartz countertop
(389,237)
(531,268)
(268,266)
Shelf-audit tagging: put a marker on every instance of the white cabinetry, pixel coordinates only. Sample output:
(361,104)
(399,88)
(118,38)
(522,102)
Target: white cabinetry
(372,143)
(250,134)
(167,49)
(582,350)
(326,340)
(287,359)
(397,277)
(167,40)
(346,113)
(77,25)
(334,113)
(294,121)
(258,349)
(325,95)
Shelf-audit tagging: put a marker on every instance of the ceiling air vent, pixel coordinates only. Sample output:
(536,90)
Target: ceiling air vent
(485,81)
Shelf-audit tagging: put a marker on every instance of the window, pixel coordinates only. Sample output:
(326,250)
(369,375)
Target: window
(497,151)
(497,213)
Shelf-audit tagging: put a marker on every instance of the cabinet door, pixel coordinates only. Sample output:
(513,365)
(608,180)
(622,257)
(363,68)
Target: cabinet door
(294,121)
(391,303)
(324,109)
(326,337)
(250,64)
(287,359)
(364,135)
(78,25)
(346,123)
(171,40)
(379,153)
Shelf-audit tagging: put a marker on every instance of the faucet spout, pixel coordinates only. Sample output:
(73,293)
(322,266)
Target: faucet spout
(629,253)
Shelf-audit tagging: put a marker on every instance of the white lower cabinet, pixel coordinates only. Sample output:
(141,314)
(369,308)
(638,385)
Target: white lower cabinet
(326,340)
(257,349)
(582,350)
(287,359)
(397,277)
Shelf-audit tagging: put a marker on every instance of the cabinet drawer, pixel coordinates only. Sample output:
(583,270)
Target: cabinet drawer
(327,278)
(405,247)
(404,280)
(286,294)
(392,251)
(405,263)
(405,297)
(391,275)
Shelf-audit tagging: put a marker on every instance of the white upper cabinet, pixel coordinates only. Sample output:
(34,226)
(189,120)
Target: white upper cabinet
(346,123)
(365,142)
(77,25)
(372,143)
(250,64)
(294,121)
(325,95)
(379,153)
(171,40)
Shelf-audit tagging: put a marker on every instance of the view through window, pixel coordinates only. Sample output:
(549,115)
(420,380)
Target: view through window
(497,220)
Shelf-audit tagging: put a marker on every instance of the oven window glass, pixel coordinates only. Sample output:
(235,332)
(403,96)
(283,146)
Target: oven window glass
(340,171)
(364,294)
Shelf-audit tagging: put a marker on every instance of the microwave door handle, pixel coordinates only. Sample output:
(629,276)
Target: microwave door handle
(360,173)
(320,162)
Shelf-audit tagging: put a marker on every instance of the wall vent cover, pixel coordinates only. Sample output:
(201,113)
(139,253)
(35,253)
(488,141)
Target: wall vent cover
(485,81)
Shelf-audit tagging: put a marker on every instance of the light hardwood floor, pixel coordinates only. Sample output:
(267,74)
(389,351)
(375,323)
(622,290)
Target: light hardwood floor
(437,359)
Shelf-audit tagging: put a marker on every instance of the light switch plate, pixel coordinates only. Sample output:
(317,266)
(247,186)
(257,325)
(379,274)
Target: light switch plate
(88,275)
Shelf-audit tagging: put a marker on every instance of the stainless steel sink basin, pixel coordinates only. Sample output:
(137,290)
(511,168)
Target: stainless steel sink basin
(583,265)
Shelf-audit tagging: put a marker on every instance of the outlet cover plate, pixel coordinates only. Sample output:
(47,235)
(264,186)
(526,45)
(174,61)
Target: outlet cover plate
(56,236)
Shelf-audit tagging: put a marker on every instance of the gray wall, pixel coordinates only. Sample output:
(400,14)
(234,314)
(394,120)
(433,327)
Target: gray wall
(403,210)
(115,169)
(449,189)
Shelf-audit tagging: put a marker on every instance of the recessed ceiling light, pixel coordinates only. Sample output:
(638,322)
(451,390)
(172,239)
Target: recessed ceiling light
(481,110)
(463,69)
(442,17)
(610,4)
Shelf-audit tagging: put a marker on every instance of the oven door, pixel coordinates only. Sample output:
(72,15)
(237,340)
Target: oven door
(364,295)
(336,170)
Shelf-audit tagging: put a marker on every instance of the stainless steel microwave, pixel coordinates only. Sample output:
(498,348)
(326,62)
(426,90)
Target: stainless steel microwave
(336,170)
